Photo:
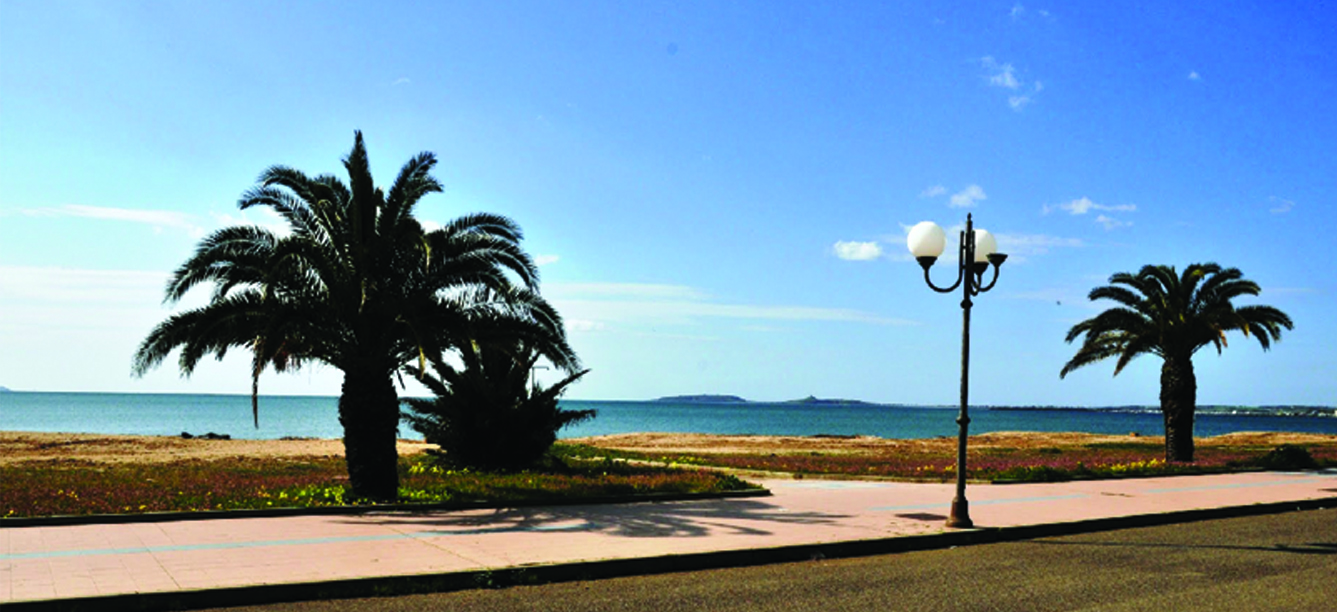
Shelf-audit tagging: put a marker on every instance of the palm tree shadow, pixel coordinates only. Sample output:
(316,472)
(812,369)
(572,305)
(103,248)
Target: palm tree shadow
(642,520)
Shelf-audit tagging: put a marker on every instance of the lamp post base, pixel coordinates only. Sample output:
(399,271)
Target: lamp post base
(960,515)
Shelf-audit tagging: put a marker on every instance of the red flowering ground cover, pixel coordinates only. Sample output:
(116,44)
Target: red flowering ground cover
(1026,457)
(63,474)
(65,487)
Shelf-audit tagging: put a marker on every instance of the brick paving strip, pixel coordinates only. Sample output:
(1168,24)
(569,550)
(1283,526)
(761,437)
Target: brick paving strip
(195,563)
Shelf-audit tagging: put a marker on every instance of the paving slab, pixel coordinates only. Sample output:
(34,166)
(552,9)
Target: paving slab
(44,566)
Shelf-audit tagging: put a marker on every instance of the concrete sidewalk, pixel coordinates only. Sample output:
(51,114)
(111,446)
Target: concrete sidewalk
(227,561)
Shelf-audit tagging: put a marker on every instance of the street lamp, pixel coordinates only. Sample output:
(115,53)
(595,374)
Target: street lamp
(974,254)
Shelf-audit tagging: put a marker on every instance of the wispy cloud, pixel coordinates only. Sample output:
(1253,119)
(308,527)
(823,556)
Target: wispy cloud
(1194,76)
(401,81)
(624,291)
(1017,11)
(158,219)
(52,285)
(933,192)
(967,197)
(583,325)
(1084,205)
(546,260)
(1022,245)
(1280,206)
(601,306)
(1111,223)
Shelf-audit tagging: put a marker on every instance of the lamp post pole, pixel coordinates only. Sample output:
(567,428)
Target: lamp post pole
(975,254)
(533,375)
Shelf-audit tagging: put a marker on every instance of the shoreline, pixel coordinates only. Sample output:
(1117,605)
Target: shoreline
(84,448)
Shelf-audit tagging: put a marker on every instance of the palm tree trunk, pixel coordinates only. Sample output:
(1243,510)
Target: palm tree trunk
(1179,397)
(369,413)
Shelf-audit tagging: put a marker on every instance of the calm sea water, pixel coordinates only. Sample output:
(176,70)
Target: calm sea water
(162,414)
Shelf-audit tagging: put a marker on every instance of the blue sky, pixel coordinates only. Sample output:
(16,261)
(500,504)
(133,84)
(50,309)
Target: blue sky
(718,191)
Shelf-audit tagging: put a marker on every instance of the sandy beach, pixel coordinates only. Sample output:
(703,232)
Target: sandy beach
(18,447)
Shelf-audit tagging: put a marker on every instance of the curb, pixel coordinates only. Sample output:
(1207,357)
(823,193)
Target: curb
(593,570)
(209,515)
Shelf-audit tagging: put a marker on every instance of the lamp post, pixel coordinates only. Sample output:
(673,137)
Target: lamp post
(974,256)
(533,375)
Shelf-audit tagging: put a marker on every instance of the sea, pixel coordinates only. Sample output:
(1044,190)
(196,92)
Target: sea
(317,417)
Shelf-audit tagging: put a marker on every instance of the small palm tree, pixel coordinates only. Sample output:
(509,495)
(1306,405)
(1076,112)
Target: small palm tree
(357,283)
(489,414)
(1172,316)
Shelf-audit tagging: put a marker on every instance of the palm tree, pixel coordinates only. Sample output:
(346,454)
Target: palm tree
(489,413)
(1172,316)
(357,283)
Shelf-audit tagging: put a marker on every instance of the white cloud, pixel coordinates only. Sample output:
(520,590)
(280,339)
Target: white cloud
(1280,206)
(1083,205)
(1005,76)
(1017,11)
(857,251)
(967,197)
(546,260)
(158,219)
(401,81)
(1111,223)
(933,192)
(1194,76)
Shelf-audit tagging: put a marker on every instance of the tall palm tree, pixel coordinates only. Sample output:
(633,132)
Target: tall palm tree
(1172,316)
(357,283)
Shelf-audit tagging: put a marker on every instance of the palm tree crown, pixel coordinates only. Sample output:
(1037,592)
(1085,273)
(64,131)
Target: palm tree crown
(357,283)
(1172,316)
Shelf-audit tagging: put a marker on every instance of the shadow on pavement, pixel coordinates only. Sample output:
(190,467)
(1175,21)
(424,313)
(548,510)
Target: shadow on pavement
(651,520)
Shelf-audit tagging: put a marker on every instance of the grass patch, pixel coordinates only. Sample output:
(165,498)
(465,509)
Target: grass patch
(65,487)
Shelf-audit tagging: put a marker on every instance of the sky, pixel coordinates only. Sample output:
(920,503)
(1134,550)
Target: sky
(717,192)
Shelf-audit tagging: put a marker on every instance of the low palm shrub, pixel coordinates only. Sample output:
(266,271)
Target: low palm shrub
(488,414)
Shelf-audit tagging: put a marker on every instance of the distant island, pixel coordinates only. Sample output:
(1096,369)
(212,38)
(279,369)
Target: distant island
(816,401)
(734,399)
(6,390)
(703,399)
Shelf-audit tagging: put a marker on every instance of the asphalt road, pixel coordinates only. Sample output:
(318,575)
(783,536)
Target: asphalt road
(1278,562)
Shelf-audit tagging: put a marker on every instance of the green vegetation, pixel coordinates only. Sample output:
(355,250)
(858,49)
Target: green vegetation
(489,414)
(359,284)
(1172,316)
(49,488)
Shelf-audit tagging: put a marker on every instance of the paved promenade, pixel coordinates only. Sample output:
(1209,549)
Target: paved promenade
(216,561)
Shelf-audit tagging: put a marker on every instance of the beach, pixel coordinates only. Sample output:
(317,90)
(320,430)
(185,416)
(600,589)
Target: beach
(77,448)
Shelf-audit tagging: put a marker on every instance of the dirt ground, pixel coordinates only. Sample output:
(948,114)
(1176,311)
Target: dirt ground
(98,448)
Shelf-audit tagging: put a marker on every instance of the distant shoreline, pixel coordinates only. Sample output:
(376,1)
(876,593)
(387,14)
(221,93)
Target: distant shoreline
(1264,409)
